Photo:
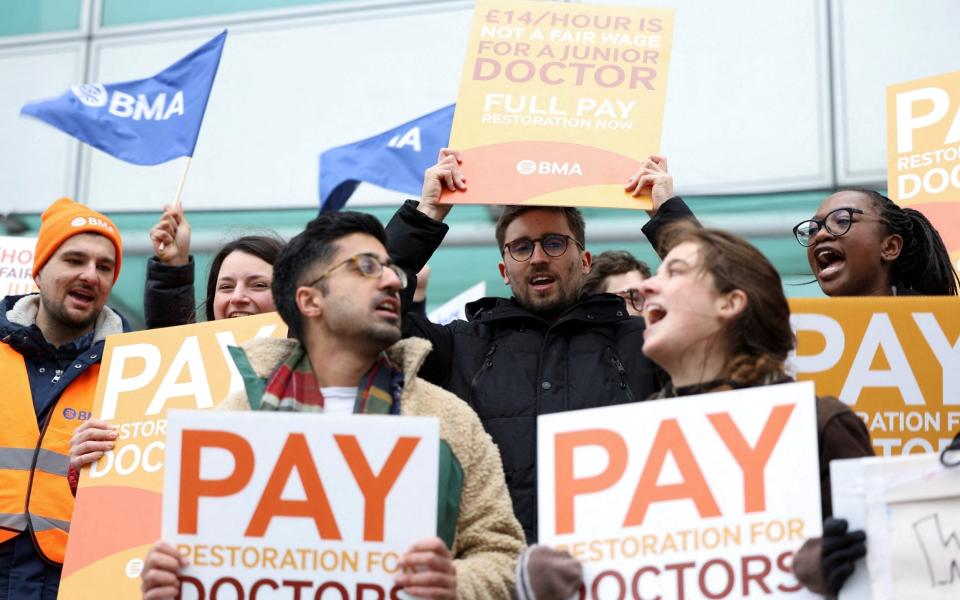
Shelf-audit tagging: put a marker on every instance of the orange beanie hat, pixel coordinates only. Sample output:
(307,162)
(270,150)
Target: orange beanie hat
(64,219)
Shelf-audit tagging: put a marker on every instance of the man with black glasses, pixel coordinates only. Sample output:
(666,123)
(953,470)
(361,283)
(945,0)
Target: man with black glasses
(546,349)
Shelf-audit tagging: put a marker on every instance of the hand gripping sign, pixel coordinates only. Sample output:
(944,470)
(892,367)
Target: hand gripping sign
(559,103)
(288,504)
(895,361)
(144,374)
(697,497)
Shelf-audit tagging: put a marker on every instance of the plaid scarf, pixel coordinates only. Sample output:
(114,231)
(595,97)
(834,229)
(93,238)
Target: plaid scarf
(293,387)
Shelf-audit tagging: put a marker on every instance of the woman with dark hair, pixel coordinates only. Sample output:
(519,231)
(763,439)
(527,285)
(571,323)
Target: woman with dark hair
(717,320)
(238,283)
(862,244)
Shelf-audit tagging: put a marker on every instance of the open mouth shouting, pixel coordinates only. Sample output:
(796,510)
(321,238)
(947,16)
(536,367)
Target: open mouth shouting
(82,297)
(542,282)
(653,313)
(388,306)
(829,261)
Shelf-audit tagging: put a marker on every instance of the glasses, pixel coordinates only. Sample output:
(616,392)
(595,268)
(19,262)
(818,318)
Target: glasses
(837,223)
(369,265)
(633,296)
(553,244)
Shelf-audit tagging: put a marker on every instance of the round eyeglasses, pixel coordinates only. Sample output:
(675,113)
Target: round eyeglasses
(553,244)
(633,296)
(837,223)
(369,265)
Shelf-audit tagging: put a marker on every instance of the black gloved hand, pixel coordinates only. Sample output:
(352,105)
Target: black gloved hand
(841,549)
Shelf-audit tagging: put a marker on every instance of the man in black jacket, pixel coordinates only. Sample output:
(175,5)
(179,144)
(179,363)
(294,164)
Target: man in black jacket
(546,349)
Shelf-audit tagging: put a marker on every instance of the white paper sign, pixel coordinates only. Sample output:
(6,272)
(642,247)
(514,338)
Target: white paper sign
(909,507)
(16,264)
(698,497)
(297,503)
(454,308)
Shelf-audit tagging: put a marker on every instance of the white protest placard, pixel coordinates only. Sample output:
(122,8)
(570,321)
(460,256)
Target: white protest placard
(303,503)
(909,507)
(455,308)
(16,265)
(704,496)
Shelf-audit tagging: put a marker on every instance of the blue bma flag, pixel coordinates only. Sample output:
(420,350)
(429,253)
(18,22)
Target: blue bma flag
(394,159)
(145,122)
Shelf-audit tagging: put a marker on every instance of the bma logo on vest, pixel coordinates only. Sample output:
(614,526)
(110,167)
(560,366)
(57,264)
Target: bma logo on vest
(72,413)
(126,106)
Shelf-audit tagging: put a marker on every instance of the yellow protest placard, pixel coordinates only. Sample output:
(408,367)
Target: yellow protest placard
(560,103)
(923,152)
(895,361)
(144,374)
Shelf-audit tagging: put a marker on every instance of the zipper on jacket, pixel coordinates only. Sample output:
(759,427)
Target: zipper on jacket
(487,363)
(622,373)
(56,376)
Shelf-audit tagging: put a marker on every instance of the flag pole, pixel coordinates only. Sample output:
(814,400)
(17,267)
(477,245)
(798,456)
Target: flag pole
(183,179)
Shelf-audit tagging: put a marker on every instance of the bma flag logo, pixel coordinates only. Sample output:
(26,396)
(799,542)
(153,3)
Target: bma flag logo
(93,95)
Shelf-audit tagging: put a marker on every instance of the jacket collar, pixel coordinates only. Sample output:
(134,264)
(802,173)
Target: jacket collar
(594,309)
(266,354)
(21,312)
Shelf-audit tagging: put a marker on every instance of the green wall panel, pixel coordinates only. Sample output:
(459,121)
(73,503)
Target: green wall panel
(129,12)
(24,17)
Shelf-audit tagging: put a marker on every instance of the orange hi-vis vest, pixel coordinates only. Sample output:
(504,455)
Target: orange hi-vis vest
(34,493)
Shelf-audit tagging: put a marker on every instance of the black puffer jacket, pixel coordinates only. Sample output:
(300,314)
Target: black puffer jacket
(168,295)
(511,366)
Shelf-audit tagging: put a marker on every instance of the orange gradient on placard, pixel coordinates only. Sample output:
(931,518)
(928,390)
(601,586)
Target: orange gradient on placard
(130,515)
(547,172)
(945,217)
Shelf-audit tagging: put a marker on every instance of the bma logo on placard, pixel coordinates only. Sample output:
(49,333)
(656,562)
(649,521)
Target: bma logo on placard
(530,167)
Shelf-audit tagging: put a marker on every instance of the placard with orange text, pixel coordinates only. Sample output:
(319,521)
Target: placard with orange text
(560,103)
(923,152)
(703,496)
(895,361)
(296,504)
(16,265)
(117,513)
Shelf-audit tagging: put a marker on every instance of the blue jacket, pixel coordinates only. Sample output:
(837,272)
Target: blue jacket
(23,573)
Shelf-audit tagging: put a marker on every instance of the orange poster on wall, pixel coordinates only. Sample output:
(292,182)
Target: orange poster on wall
(144,374)
(560,103)
(895,361)
(923,152)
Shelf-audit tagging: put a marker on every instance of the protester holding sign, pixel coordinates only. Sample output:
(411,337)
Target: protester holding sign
(51,350)
(238,283)
(338,292)
(548,348)
(717,320)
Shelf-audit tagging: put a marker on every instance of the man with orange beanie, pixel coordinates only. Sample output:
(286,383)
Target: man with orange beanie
(51,343)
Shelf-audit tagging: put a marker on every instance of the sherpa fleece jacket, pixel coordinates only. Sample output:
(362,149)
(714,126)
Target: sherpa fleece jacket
(475,516)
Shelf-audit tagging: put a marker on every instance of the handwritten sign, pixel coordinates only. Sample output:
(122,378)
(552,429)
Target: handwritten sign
(700,497)
(923,152)
(326,502)
(895,361)
(559,103)
(144,374)
(909,507)
(16,266)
